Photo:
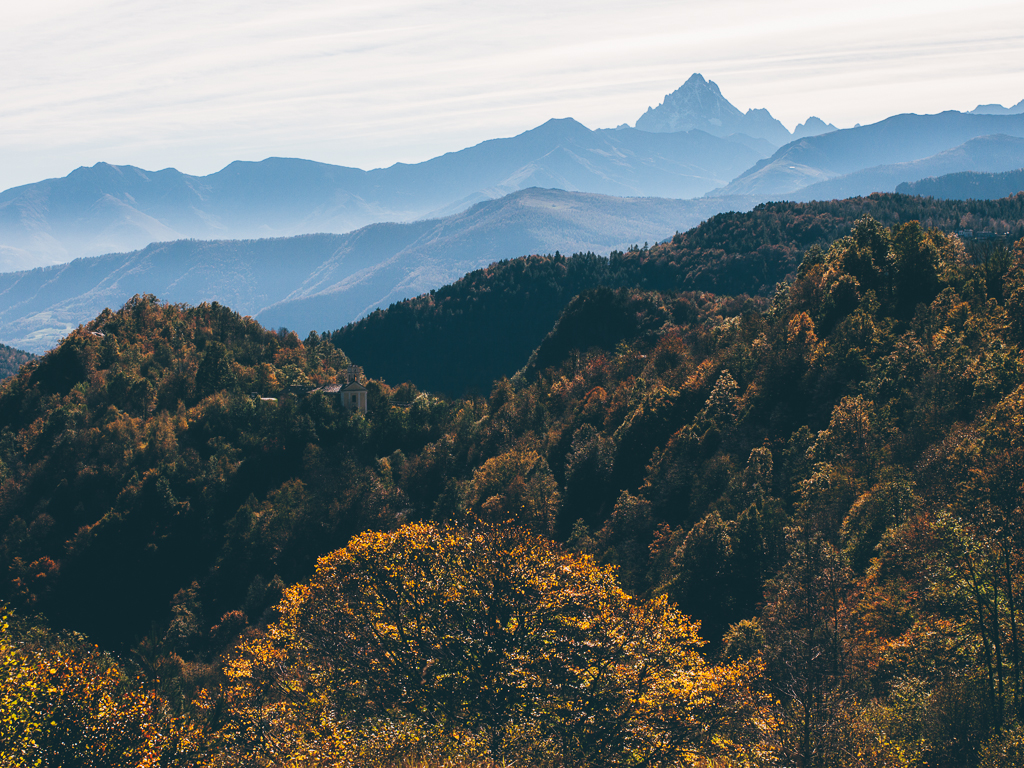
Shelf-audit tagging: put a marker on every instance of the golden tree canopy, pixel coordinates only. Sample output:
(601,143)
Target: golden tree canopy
(494,635)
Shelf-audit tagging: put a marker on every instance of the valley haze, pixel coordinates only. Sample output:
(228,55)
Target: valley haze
(252,236)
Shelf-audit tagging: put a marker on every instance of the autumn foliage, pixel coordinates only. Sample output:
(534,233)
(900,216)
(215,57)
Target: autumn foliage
(780,529)
(491,642)
(62,702)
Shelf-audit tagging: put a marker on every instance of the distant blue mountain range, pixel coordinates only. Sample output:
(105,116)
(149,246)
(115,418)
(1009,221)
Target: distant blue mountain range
(986,154)
(323,281)
(244,235)
(790,171)
(108,208)
(694,143)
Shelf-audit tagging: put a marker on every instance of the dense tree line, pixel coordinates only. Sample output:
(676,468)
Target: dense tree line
(444,341)
(828,478)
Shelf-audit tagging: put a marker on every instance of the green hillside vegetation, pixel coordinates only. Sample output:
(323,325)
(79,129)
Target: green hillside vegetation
(826,476)
(11,360)
(444,340)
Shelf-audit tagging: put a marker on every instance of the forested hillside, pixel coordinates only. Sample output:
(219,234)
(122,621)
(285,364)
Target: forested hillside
(11,360)
(827,478)
(968,186)
(444,341)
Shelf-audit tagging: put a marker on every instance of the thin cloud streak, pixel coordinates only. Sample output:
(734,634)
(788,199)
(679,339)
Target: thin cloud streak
(196,85)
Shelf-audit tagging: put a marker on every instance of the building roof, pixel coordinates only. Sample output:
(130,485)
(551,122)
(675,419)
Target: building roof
(355,386)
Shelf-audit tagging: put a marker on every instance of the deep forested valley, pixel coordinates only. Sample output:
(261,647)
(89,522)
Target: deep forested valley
(751,497)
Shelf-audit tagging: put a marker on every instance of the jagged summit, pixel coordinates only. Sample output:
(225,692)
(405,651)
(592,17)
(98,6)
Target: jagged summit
(814,126)
(699,104)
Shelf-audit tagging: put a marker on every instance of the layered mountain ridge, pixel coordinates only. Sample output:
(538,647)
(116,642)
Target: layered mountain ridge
(999,109)
(322,281)
(900,139)
(229,231)
(985,154)
(109,208)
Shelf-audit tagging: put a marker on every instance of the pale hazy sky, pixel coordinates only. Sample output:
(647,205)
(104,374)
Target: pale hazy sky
(195,85)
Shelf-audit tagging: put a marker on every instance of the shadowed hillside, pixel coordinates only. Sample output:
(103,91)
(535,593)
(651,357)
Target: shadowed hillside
(444,341)
(11,360)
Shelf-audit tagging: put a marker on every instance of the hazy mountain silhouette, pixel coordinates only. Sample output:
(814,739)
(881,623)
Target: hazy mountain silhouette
(814,126)
(320,282)
(699,104)
(694,143)
(899,139)
(990,154)
(999,109)
(109,208)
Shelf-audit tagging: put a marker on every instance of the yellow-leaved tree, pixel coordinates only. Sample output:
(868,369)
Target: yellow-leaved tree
(487,643)
(64,703)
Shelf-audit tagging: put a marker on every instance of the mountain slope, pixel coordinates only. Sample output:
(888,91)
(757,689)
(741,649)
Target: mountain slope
(899,139)
(534,221)
(119,208)
(967,186)
(990,154)
(280,280)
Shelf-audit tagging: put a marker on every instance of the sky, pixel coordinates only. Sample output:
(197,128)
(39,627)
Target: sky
(196,85)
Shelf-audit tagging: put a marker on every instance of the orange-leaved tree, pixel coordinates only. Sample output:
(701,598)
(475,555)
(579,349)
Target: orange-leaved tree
(492,638)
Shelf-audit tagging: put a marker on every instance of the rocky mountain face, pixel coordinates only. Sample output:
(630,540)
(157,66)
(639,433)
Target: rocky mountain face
(699,104)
